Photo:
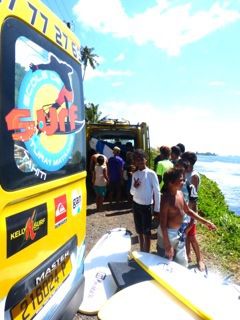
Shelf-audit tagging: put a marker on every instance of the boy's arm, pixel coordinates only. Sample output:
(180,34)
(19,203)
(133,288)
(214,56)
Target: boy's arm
(105,174)
(132,190)
(156,193)
(169,251)
(193,214)
(91,165)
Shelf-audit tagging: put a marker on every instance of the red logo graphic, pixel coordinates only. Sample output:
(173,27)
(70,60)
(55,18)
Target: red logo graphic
(28,128)
(60,210)
(29,232)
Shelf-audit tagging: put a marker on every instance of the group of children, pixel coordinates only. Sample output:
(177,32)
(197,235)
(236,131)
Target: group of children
(178,205)
(112,176)
(175,205)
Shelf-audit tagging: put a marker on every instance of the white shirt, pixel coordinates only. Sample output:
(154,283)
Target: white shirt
(148,189)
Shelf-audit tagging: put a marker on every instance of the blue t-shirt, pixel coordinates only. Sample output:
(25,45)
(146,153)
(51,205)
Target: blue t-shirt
(115,167)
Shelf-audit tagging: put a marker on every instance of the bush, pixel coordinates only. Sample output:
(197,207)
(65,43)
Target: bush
(226,240)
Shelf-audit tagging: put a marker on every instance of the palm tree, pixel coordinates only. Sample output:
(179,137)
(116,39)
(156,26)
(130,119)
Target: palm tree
(91,112)
(88,58)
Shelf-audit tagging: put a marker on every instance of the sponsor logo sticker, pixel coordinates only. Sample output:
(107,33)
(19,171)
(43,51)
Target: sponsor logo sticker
(76,201)
(25,228)
(60,210)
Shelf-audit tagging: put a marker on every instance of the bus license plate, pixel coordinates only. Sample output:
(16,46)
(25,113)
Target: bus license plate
(33,302)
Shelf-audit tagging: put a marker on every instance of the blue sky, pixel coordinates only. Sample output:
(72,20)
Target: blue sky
(173,64)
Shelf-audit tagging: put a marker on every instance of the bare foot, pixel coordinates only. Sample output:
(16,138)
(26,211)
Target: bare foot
(201,266)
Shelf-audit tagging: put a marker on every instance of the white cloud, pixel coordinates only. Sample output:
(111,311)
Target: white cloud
(198,128)
(216,83)
(117,84)
(100,59)
(236,93)
(95,73)
(120,57)
(167,27)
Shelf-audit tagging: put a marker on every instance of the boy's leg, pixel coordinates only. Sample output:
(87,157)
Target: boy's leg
(100,203)
(97,202)
(146,226)
(137,216)
(146,243)
(196,249)
(180,254)
(188,248)
(192,232)
(118,192)
(141,241)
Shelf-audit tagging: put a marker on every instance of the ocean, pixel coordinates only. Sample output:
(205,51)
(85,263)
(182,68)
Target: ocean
(225,171)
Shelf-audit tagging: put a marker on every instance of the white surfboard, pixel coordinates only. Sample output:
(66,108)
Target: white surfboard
(145,300)
(99,284)
(101,147)
(207,298)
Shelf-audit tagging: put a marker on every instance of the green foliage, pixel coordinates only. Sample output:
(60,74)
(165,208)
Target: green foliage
(88,57)
(225,242)
(92,114)
(153,154)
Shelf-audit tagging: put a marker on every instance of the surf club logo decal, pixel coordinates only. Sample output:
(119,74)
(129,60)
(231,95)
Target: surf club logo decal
(60,210)
(76,201)
(25,228)
(46,117)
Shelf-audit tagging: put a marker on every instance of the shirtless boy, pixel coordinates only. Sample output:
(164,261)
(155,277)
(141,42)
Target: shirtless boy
(171,243)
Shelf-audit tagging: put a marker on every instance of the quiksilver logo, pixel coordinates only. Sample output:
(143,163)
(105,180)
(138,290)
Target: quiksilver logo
(60,209)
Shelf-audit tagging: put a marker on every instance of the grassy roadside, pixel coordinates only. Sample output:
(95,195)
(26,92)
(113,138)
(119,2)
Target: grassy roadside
(223,245)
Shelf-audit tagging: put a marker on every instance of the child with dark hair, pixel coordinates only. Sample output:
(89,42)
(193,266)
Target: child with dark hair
(146,197)
(175,154)
(181,146)
(100,180)
(164,164)
(173,207)
(184,165)
(193,182)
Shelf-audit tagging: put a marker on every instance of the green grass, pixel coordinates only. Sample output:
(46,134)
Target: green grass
(225,241)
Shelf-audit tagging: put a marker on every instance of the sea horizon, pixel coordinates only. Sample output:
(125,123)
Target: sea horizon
(225,171)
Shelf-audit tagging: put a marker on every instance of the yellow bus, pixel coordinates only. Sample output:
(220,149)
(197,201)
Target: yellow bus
(42,165)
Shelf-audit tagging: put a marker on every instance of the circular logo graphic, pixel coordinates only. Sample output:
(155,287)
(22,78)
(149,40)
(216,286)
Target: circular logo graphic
(39,89)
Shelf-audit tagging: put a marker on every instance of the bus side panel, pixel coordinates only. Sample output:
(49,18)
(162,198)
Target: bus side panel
(35,230)
(57,214)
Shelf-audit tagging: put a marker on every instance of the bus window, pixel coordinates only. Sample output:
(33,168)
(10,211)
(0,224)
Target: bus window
(42,165)
(50,146)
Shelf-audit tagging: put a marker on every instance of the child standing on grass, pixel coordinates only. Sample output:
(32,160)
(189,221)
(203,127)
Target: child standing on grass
(170,241)
(146,195)
(193,181)
(100,180)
